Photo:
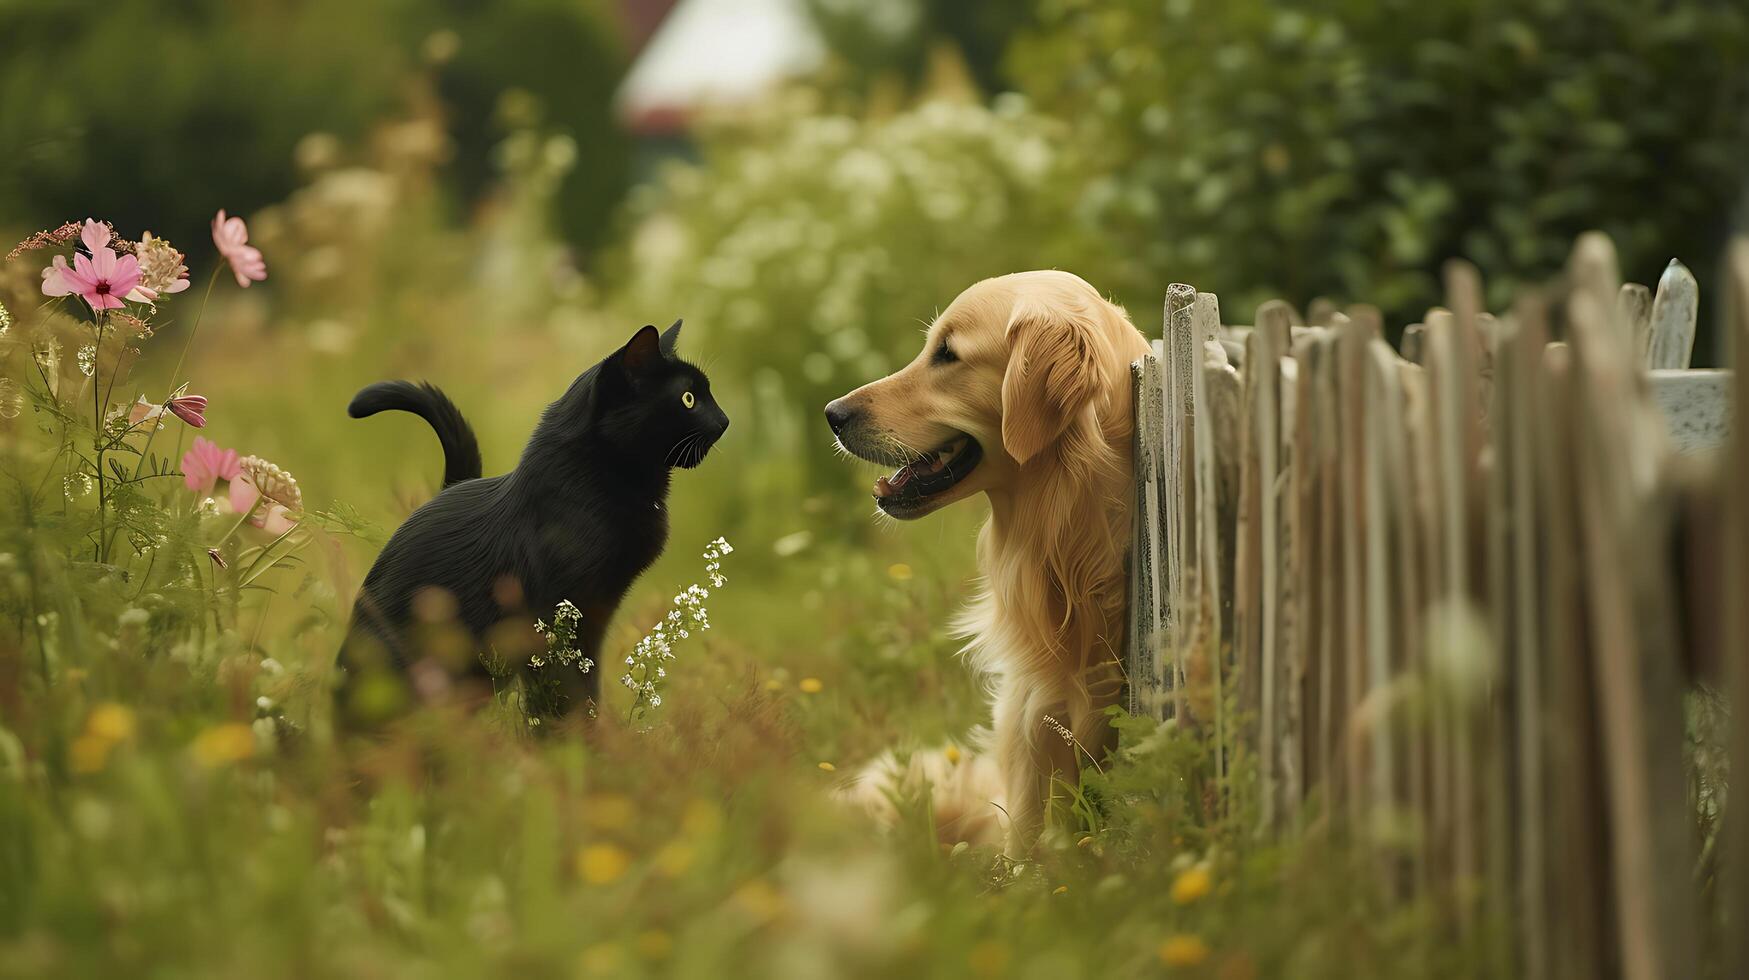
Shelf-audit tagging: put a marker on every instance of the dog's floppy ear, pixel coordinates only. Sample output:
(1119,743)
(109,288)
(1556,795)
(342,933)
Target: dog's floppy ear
(1056,367)
(670,337)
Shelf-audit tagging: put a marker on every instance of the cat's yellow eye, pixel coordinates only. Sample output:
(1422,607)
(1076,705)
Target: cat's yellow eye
(687,399)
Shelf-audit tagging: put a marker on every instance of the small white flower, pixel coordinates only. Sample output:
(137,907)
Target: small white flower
(686,612)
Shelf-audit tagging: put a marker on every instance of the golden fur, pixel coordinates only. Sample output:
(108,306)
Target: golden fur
(1042,381)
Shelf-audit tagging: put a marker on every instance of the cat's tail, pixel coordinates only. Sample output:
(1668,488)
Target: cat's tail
(461,451)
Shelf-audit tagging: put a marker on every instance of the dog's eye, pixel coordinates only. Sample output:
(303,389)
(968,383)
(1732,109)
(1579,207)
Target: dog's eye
(943,355)
(687,399)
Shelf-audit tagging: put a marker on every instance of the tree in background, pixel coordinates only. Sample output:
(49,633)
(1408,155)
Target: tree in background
(551,65)
(892,39)
(137,109)
(1346,148)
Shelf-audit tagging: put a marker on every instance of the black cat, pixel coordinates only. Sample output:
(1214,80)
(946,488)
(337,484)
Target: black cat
(581,516)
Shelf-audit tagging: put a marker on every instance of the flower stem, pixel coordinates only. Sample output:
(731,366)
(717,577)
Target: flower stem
(97,436)
(189,341)
(176,371)
(240,519)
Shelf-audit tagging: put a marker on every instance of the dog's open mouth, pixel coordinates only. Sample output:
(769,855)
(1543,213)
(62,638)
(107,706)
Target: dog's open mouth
(912,486)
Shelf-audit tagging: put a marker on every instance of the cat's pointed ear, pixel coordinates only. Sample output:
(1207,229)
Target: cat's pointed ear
(670,337)
(641,352)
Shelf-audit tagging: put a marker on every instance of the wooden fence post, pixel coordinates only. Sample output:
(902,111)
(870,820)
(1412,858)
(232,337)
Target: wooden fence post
(1478,529)
(1736,667)
(1518,365)
(1637,686)
(1183,355)
(1670,341)
(1147,597)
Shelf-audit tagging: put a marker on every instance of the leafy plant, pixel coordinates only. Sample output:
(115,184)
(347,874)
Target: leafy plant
(1346,148)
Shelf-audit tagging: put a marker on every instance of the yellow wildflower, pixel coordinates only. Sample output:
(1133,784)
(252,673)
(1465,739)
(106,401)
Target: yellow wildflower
(654,944)
(828,767)
(1191,884)
(988,959)
(609,812)
(1061,890)
(673,858)
(810,685)
(953,755)
(702,818)
(230,742)
(600,864)
(1183,950)
(111,722)
(601,959)
(759,900)
(89,753)
(899,572)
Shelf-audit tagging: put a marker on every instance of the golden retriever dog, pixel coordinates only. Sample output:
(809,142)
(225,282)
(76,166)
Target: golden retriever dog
(1022,393)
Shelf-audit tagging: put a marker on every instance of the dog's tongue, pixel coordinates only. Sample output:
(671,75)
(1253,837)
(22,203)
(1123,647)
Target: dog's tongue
(886,486)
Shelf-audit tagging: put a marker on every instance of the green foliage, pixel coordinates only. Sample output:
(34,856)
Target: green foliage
(95,122)
(1348,147)
(172,801)
(524,63)
(892,39)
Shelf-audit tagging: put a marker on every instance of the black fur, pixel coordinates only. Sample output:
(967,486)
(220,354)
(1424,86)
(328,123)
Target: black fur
(579,518)
(461,451)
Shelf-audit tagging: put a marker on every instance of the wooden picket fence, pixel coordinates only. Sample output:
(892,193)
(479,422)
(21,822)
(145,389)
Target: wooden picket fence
(1452,604)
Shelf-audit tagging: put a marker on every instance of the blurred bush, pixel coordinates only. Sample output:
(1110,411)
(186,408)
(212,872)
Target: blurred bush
(892,39)
(510,65)
(1347,147)
(139,109)
(810,253)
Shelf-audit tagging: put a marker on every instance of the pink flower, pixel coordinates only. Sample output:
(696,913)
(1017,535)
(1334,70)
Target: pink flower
(274,488)
(161,270)
(53,284)
(231,235)
(100,280)
(189,408)
(275,519)
(143,410)
(206,464)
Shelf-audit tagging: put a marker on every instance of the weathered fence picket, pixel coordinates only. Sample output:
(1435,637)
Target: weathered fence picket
(1736,628)
(1443,584)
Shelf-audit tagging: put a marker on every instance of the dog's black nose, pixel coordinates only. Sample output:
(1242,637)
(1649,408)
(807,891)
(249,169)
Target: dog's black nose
(838,416)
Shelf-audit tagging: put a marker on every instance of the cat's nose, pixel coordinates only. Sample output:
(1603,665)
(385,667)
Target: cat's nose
(838,415)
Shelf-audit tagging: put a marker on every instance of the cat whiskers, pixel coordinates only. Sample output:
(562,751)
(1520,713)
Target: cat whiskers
(678,452)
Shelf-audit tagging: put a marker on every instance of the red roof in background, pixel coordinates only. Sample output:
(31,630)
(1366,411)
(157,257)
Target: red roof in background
(641,18)
(704,54)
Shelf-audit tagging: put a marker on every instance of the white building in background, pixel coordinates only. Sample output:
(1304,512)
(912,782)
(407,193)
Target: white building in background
(713,55)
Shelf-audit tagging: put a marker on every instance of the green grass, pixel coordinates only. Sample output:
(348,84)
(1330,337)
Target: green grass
(174,804)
